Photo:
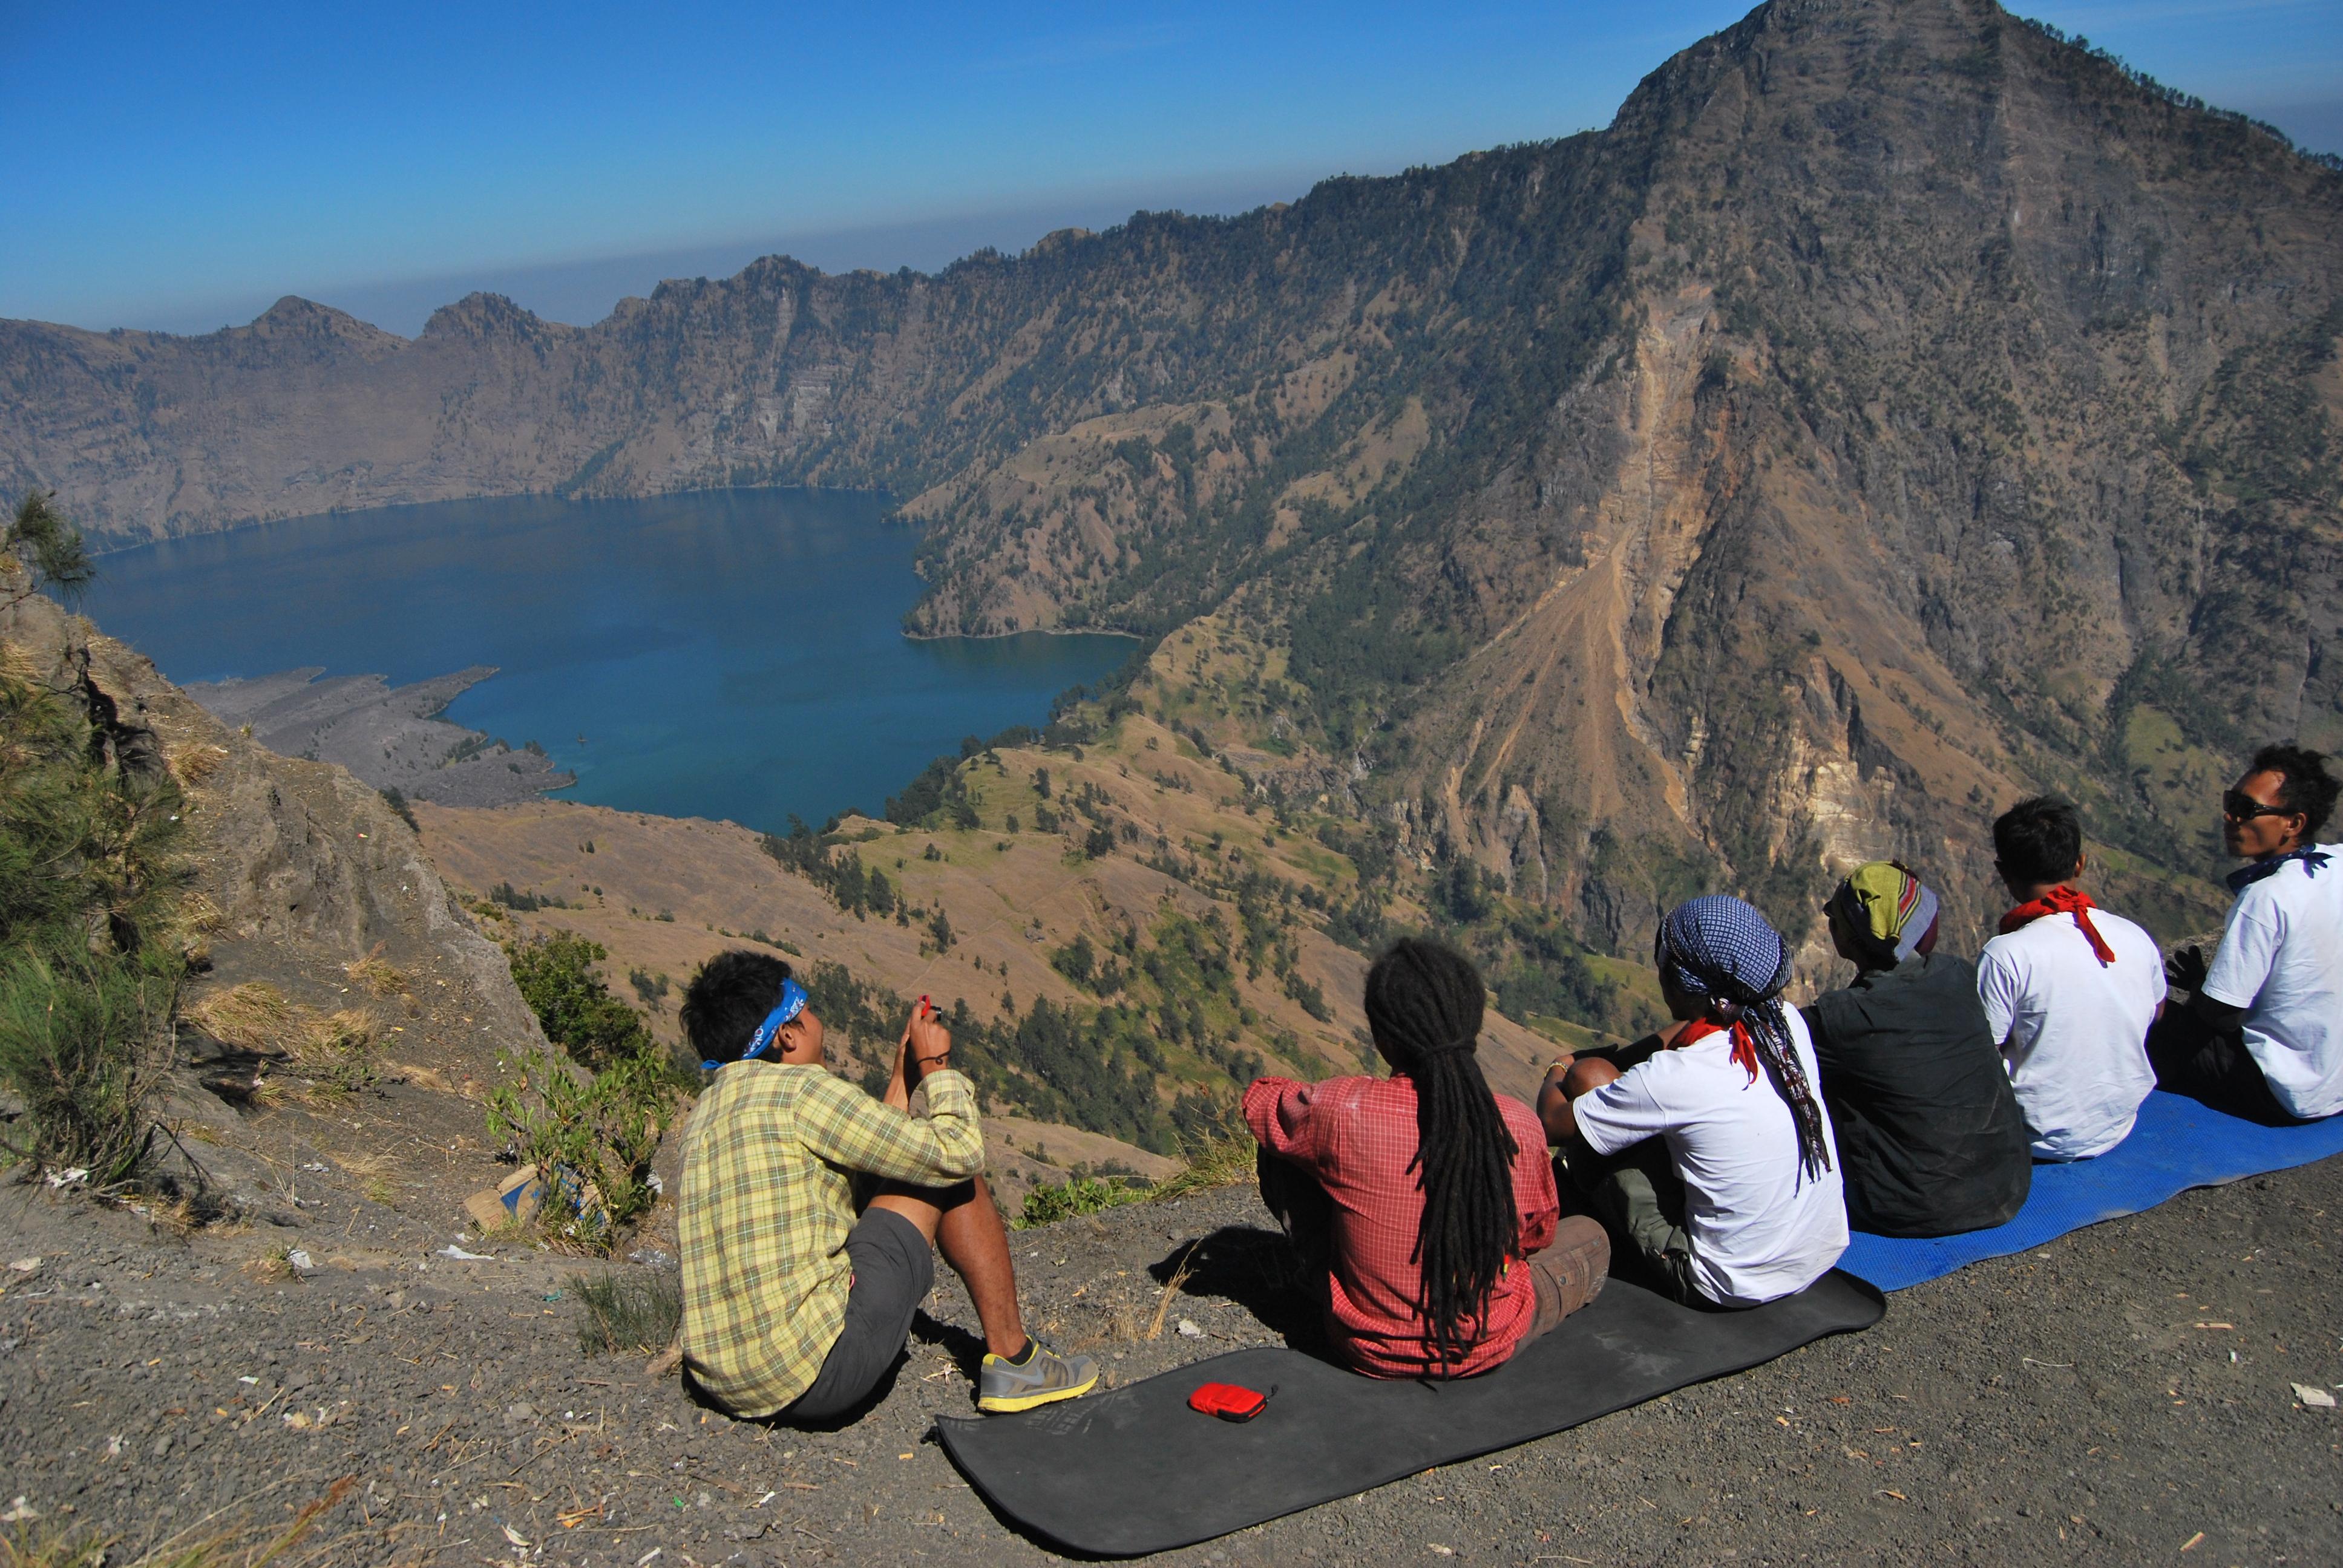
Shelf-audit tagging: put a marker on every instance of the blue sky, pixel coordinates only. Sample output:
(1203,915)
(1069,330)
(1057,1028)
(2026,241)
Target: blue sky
(182,165)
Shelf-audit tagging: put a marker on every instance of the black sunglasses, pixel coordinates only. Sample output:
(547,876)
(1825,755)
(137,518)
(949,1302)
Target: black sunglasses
(2239,807)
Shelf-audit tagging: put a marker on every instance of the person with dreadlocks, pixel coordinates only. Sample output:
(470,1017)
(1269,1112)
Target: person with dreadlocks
(1709,1161)
(2261,1034)
(1930,1138)
(1423,1202)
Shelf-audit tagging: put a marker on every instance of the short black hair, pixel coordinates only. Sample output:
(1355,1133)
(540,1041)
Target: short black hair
(2038,839)
(2308,787)
(728,999)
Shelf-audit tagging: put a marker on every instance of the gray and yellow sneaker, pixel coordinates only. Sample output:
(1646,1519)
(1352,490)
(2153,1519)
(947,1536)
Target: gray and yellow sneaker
(1042,1377)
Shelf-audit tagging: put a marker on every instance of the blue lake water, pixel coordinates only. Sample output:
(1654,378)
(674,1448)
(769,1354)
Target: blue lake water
(728,654)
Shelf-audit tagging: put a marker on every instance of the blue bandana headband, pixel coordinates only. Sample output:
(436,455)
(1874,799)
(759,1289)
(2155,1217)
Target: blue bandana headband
(792,1002)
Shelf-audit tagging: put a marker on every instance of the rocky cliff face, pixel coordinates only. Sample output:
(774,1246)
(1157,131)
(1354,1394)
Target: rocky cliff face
(303,883)
(1896,409)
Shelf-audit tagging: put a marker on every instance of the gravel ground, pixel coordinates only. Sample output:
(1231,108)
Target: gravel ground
(2123,1395)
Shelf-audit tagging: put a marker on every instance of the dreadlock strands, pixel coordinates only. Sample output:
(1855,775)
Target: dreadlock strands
(1425,1004)
(1720,949)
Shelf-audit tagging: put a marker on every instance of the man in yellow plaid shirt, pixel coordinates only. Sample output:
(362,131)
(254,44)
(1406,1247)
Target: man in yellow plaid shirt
(808,1210)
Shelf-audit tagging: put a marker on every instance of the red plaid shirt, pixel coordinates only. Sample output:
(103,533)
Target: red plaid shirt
(1357,1136)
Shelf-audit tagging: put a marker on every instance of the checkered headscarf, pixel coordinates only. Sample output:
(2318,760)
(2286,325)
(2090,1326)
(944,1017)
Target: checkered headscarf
(1720,948)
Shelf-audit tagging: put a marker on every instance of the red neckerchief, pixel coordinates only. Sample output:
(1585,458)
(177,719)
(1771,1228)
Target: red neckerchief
(1744,1048)
(2062,901)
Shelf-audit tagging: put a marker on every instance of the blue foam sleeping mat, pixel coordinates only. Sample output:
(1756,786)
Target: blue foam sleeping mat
(2176,1144)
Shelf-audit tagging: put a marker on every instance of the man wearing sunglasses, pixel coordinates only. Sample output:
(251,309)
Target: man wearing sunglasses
(2262,1033)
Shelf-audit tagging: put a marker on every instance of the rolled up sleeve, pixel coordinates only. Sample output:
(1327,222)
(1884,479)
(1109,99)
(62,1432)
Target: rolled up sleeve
(1277,1110)
(841,1124)
(1621,1112)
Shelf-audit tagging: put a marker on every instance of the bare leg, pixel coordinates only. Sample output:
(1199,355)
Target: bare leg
(960,1221)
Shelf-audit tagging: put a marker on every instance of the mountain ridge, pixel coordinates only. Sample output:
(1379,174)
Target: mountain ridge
(1895,409)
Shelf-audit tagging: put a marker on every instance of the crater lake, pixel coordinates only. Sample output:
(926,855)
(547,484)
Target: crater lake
(730,654)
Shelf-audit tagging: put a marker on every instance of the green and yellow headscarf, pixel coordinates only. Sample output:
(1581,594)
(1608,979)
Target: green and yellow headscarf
(1882,901)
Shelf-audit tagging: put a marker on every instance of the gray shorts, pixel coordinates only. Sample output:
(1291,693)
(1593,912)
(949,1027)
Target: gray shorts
(892,1271)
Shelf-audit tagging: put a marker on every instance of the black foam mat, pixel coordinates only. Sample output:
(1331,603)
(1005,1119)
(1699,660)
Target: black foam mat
(1133,1470)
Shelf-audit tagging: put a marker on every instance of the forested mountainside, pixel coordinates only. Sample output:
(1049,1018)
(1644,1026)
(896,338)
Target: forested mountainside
(1896,408)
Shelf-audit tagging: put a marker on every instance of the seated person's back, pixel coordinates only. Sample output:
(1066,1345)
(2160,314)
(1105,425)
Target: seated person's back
(800,1282)
(1931,1139)
(2070,990)
(1744,1204)
(1439,1245)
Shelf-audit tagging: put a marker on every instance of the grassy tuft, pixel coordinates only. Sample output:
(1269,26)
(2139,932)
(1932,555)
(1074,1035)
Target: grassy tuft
(196,761)
(618,1312)
(377,976)
(85,1040)
(335,1051)
(1082,1195)
(1221,1160)
(254,1015)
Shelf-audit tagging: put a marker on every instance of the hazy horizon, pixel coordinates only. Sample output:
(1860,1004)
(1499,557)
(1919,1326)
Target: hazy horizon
(583,290)
(391,159)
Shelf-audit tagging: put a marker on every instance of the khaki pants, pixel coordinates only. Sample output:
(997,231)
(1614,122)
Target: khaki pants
(1640,1201)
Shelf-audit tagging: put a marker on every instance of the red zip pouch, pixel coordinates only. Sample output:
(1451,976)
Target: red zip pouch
(1229,1401)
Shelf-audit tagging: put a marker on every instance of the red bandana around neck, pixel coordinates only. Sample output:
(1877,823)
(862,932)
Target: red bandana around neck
(1744,1049)
(2062,901)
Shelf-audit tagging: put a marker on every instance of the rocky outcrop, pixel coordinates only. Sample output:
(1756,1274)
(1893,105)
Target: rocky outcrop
(300,871)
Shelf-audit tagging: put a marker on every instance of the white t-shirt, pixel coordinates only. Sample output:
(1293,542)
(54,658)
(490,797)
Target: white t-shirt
(2281,959)
(1760,1227)
(2072,1030)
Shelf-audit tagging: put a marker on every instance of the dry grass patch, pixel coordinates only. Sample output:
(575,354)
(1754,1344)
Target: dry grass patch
(1225,1161)
(207,1543)
(255,1016)
(337,1034)
(377,976)
(1172,1288)
(333,1051)
(1118,1323)
(199,915)
(374,1172)
(272,1267)
(194,762)
(336,1052)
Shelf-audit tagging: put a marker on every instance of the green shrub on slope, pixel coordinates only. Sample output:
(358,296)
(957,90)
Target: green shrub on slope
(90,968)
